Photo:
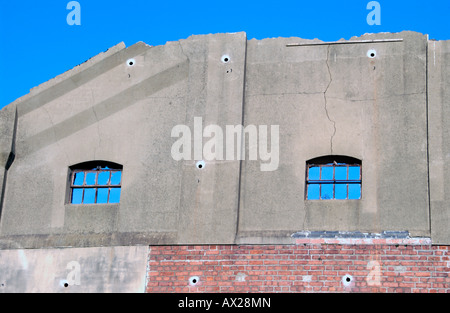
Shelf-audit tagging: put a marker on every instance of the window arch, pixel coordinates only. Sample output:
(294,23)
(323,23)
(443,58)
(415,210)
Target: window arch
(333,177)
(95,182)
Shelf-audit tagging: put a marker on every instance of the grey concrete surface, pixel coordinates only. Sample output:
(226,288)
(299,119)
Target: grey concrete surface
(439,142)
(326,99)
(74,270)
(335,100)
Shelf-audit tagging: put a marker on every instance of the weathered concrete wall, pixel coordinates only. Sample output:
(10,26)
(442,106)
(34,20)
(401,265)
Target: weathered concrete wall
(439,138)
(86,270)
(8,128)
(325,98)
(116,112)
(336,100)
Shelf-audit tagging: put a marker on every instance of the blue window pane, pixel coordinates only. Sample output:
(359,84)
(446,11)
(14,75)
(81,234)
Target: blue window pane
(102,195)
(327,173)
(78,179)
(340,191)
(116,177)
(354,173)
(314,173)
(314,192)
(354,191)
(114,195)
(103,178)
(77,196)
(327,191)
(340,173)
(89,195)
(90,178)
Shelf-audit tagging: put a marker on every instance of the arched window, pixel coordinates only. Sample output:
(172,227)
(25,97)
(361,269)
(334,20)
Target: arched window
(95,182)
(333,177)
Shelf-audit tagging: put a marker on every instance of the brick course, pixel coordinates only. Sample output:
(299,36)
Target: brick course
(307,266)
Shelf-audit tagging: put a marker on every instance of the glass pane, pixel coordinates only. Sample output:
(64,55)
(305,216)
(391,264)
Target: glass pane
(340,191)
(114,195)
(313,192)
(89,195)
(327,173)
(327,191)
(354,191)
(103,178)
(340,172)
(116,178)
(102,195)
(90,178)
(77,195)
(354,173)
(314,173)
(78,179)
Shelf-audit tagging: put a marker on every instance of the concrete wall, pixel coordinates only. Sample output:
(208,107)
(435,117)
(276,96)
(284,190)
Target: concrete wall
(335,100)
(328,99)
(73,270)
(439,143)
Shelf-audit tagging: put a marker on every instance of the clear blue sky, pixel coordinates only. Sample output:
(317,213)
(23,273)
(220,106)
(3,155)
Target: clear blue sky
(37,44)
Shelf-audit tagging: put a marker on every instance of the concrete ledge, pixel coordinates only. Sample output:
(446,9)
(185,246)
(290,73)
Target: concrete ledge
(351,234)
(86,240)
(359,238)
(362,241)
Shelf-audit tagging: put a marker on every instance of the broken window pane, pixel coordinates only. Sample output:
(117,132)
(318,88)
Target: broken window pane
(333,178)
(92,182)
(326,191)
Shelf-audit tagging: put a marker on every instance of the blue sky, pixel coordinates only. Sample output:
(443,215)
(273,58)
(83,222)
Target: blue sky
(37,44)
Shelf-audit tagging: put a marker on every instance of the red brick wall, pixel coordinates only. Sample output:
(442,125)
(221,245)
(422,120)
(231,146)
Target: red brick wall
(301,267)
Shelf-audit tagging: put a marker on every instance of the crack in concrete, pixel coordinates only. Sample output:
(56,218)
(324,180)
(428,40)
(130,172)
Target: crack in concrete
(325,99)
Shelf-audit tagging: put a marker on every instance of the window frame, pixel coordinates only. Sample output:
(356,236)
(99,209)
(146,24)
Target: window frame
(333,162)
(96,167)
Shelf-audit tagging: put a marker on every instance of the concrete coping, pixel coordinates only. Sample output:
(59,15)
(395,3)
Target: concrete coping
(359,238)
